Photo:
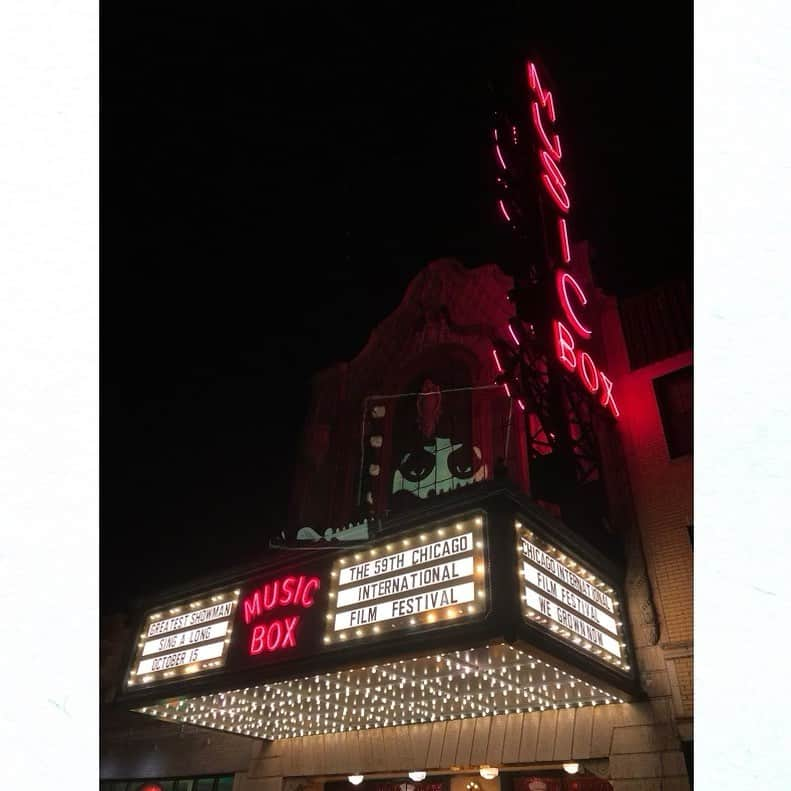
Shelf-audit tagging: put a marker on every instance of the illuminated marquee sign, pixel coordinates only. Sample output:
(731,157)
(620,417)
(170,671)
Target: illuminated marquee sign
(434,576)
(570,294)
(186,639)
(574,605)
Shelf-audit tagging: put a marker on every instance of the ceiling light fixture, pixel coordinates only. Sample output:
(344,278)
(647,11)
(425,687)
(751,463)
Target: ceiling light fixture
(355,780)
(417,776)
(489,772)
(571,767)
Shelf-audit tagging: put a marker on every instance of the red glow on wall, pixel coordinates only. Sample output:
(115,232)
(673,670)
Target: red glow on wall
(563,280)
(504,212)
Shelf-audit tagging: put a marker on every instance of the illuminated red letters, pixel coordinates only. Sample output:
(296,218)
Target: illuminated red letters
(554,182)
(274,636)
(544,97)
(563,233)
(592,376)
(588,372)
(606,394)
(569,291)
(290,591)
(563,280)
(564,343)
(553,179)
(281,593)
(554,146)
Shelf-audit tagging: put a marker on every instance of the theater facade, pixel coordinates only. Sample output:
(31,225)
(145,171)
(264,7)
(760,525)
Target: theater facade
(468,626)
(488,576)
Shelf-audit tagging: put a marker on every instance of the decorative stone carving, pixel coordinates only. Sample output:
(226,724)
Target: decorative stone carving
(639,589)
(598,766)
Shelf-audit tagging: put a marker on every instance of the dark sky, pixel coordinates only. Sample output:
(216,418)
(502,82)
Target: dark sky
(270,183)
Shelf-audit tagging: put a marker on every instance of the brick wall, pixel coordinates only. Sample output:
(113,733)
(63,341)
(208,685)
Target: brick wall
(661,490)
(683,671)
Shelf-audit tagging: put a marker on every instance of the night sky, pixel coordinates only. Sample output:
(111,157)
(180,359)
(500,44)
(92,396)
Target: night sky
(272,181)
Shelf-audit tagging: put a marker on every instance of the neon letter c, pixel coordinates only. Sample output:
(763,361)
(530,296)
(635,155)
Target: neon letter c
(563,280)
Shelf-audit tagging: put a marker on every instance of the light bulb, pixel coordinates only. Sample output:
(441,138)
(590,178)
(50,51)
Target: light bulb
(571,767)
(489,772)
(417,776)
(355,780)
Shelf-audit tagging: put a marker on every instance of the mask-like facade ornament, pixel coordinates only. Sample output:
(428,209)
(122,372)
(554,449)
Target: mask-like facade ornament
(439,466)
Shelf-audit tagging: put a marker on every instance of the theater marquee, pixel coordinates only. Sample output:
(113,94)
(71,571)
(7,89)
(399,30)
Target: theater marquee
(430,622)
(564,597)
(433,576)
(185,639)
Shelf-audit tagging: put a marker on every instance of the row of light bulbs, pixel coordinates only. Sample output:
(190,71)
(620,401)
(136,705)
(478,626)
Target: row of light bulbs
(578,569)
(407,542)
(576,639)
(193,667)
(426,618)
(474,683)
(447,614)
(572,565)
(487,773)
(192,605)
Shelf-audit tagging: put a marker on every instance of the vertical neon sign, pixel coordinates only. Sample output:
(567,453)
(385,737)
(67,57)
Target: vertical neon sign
(570,294)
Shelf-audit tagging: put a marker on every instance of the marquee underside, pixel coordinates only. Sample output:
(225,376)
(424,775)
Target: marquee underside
(479,682)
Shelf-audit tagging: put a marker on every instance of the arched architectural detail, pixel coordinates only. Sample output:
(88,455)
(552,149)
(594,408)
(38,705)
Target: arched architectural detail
(442,330)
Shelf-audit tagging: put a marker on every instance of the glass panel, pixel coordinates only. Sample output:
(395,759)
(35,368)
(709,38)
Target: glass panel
(184,785)
(204,784)
(166,785)
(121,786)
(225,783)
(674,397)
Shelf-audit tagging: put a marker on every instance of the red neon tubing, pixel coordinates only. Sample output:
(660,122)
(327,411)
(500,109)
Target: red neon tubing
(545,97)
(555,182)
(552,148)
(562,280)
